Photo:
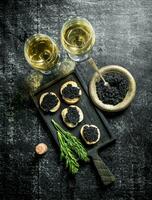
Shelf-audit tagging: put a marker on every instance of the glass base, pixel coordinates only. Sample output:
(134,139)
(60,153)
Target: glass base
(52,71)
(46,73)
(79,58)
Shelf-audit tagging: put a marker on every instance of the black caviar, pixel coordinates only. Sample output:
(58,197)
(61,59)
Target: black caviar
(90,133)
(72,115)
(49,101)
(70,92)
(117,90)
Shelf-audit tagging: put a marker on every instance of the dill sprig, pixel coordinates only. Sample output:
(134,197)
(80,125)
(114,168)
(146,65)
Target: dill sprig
(67,154)
(70,146)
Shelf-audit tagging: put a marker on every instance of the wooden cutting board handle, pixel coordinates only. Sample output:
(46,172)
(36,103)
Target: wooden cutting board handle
(105,174)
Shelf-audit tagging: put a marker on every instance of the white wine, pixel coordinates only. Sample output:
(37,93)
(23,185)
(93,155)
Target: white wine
(77,36)
(41,52)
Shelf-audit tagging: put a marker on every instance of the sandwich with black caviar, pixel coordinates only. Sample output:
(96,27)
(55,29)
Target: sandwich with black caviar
(72,116)
(70,92)
(49,102)
(90,133)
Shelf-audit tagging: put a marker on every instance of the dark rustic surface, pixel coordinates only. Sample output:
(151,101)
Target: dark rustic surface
(123,36)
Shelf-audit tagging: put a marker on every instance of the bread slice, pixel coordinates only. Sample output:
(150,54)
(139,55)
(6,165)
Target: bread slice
(56,107)
(69,124)
(68,100)
(82,134)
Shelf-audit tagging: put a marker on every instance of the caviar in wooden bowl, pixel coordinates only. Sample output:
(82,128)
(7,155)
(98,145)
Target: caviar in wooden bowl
(121,92)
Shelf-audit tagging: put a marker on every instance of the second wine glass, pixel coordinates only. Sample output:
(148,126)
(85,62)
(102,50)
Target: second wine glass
(78,38)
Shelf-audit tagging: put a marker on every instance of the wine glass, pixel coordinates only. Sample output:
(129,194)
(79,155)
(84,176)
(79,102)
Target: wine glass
(78,38)
(41,52)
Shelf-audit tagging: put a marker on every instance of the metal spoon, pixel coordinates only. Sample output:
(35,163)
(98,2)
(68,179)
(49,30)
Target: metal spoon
(93,64)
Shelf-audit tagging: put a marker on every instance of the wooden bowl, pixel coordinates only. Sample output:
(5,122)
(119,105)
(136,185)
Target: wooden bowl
(129,96)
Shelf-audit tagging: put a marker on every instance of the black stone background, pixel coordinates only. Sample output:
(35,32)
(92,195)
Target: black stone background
(124,37)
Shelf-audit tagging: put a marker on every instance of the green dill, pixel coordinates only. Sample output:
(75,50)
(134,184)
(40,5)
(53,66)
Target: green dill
(71,148)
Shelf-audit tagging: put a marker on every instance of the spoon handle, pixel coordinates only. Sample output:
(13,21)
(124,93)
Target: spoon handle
(93,64)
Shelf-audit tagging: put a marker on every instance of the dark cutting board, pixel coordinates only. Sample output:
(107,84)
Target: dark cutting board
(91,116)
